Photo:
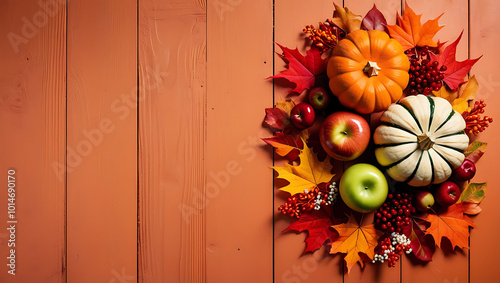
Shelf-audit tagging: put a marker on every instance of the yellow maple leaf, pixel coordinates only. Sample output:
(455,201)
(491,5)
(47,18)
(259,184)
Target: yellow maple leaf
(307,175)
(345,19)
(459,99)
(354,239)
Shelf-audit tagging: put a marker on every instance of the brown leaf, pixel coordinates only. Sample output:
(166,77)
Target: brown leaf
(345,19)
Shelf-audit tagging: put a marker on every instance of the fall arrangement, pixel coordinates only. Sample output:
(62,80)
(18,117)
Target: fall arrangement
(394,106)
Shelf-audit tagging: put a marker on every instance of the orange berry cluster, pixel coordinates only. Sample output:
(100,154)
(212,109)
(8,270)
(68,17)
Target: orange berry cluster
(473,120)
(309,200)
(326,36)
(391,248)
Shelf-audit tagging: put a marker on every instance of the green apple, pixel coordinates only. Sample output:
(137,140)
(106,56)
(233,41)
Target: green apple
(363,187)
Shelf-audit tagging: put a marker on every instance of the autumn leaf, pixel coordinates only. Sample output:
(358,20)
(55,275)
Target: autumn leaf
(423,246)
(288,146)
(374,20)
(450,223)
(459,99)
(410,32)
(475,151)
(455,71)
(278,117)
(474,193)
(466,94)
(307,175)
(471,197)
(277,120)
(302,70)
(354,239)
(317,224)
(345,19)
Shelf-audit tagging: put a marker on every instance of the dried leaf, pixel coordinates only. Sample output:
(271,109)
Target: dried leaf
(317,224)
(451,223)
(456,71)
(475,151)
(345,19)
(354,239)
(410,32)
(302,70)
(288,146)
(278,117)
(460,98)
(374,20)
(474,193)
(466,94)
(307,175)
(423,246)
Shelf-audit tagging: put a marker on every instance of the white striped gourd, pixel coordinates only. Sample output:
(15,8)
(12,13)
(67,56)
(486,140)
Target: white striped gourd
(421,140)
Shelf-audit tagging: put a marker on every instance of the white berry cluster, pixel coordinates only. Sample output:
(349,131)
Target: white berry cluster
(400,239)
(395,240)
(332,196)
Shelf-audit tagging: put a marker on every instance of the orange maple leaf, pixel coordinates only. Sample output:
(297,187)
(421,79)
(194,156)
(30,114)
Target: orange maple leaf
(452,224)
(354,239)
(410,32)
(307,175)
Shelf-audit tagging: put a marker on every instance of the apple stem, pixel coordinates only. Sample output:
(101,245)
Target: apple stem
(344,132)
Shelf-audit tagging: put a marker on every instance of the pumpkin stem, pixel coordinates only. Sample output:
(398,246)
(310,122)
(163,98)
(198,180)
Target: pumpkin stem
(371,69)
(424,141)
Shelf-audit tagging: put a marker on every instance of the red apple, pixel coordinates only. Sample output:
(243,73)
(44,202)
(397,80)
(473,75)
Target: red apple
(319,98)
(424,200)
(465,172)
(447,193)
(302,115)
(344,135)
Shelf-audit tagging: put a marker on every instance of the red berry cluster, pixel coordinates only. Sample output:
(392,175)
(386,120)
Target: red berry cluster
(390,249)
(395,213)
(425,76)
(474,122)
(324,194)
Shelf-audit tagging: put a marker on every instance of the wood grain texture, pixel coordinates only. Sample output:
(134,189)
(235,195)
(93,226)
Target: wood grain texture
(291,264)
(102,141)
(172,111)
(239,185)
(484,40)
(32,115)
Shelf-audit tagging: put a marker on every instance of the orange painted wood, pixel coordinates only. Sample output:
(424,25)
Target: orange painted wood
(172,135)
(484,26)
(102,141)
(238,180)
(32,126)
(445,265)
(290,263)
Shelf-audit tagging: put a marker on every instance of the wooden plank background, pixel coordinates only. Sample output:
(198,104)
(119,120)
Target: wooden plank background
(133,128)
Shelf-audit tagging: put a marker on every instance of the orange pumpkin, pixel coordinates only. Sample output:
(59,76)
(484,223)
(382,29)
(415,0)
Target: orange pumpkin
(368,71)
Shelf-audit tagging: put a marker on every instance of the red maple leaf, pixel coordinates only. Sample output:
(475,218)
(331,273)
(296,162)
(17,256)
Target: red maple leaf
(302,70)
(317,224)
(455,71)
